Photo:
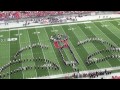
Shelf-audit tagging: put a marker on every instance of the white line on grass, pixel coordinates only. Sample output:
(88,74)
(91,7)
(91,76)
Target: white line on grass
(74,48)
(113,27)
(112,32)
(118,22)
(97,49)
(64,50)
(104,34)
(9,54)
(103,20)
(78,39)
(21,54)
(43,53)
(31,51)
(117,19)
(83,46)
(53,51)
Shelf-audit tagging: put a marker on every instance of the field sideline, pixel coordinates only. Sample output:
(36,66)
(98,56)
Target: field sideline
(76,32)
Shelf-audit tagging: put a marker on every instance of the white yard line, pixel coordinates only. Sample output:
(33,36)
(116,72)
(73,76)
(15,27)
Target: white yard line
(21,54)
(9,54)
(64,50)
(74,49)
(112,33)
(43,53)
(117,19)
(54,51)
(103,20)
(113,27)
(105,35)
(86,36)
(118,22)
(97,49)
(31,51)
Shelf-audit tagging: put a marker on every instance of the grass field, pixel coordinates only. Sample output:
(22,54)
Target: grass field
(110,33)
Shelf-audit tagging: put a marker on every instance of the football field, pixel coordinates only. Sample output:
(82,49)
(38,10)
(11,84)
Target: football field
(11,41)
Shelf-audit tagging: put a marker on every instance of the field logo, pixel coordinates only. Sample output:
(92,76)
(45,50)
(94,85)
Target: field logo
(60,41)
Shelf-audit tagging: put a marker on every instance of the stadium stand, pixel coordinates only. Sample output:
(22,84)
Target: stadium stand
(29,14)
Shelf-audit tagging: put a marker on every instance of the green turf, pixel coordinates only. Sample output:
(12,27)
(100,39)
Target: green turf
(28,54)
(111,33)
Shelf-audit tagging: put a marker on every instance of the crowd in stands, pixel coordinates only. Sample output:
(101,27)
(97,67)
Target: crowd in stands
(92,74)
(89,75)
(29,14)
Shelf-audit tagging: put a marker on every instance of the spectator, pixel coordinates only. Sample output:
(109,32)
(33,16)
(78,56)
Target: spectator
(29,14)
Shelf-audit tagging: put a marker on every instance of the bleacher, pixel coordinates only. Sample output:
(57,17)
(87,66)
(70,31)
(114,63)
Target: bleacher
(6,15)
